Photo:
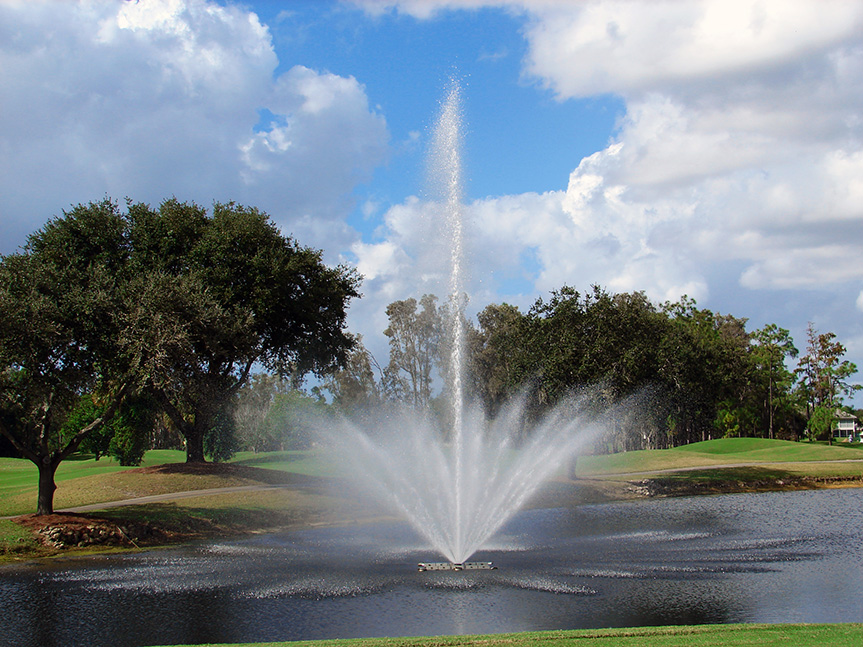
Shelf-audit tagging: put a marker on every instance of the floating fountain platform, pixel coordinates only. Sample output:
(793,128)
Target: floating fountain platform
(450,566)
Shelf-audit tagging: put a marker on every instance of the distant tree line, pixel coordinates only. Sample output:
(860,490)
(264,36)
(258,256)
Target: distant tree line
(690,373)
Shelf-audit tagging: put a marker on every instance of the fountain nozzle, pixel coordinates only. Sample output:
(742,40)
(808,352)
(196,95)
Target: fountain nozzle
(452,566)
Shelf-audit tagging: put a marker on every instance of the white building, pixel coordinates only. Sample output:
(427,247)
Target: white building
(845,426)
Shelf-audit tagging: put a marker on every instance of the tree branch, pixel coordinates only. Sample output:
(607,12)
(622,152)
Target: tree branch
(107,414)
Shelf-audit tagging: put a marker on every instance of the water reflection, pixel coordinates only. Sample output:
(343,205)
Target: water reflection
(785,557)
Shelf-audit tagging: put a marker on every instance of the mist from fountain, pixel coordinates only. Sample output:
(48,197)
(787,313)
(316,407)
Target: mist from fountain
(457,487)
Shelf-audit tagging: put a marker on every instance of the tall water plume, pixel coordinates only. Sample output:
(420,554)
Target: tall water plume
(458,478)
(445,170)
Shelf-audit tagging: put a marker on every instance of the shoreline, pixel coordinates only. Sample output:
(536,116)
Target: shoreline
(114,527)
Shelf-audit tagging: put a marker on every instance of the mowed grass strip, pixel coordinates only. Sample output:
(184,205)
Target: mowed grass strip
(148,481)
(798,635)
(719,452)
(19,477)
(16,541)
(85,481)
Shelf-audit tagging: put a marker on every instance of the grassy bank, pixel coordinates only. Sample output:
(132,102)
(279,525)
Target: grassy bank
(839,635)
(712,453)
(299,486)
(724,466)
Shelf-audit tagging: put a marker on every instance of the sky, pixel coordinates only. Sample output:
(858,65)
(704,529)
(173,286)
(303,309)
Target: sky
(708,148)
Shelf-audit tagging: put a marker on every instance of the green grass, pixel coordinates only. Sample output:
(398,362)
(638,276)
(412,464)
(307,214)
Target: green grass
(19,479)
(837,635)
(233,512)
(717,452)
(82,480)
(310,463)
(15,540)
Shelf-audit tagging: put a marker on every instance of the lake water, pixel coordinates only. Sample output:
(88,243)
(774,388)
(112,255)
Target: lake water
(779,557)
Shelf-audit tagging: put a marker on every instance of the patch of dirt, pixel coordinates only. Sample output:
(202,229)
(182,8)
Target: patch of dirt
(61,531)
(661,487)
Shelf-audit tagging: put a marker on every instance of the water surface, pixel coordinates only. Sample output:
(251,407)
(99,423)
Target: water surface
(781,557)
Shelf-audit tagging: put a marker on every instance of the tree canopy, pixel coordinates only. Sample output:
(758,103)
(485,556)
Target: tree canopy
(696,374)
(174,302)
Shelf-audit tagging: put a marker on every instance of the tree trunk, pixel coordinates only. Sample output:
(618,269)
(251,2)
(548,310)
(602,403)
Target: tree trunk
(194,445)
(195,433)
(45,504)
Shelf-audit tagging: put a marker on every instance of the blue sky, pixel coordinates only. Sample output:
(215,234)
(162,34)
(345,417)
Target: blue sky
(405,64)
(712,148)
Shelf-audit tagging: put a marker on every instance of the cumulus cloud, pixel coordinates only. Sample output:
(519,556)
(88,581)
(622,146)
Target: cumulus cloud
(741,129)
(741,140)
(740,150)
(162,98)
(630,47)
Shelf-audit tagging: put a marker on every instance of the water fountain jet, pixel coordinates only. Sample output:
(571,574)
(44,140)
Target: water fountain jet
(456,490)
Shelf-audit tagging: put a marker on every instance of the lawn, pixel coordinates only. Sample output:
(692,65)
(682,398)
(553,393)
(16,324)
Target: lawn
(82,480)
(838,635)
(300,497)
(19,478)
(726,451)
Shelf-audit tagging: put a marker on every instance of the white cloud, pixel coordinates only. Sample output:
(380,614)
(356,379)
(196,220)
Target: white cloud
(629,47)
(742,137)
(741,151)
(161,98)
(324,141)
(737,163)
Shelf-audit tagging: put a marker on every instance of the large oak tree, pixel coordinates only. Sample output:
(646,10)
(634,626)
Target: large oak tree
(245,295)
(67,327)
(171,300)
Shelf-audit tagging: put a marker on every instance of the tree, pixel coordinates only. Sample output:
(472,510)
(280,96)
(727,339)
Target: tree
(130,429)
(254,401)
(415,338)
(245,296)
(124,437)
(702,357)
(98,442)
(66,328)
(820,423)
(823,375)
(293,418)
(354,388)
(772,345)
(606,341)
(172,301)
(495,354)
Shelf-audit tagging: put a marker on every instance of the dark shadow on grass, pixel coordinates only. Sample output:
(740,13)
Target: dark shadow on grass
(82,456)
(738,479)
(258,474)
(271,458)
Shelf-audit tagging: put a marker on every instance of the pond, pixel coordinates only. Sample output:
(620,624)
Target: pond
(778,557)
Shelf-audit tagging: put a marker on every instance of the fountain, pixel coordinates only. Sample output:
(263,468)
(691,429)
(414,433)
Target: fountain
(457,489)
